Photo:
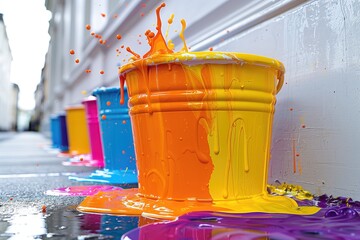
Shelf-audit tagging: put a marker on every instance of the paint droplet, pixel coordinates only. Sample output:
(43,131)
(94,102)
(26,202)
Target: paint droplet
(108,103)
(103,14)
(43,209)
(210,49)
(88,70)
(103,117)
(72,52)
(123,121)
(303,126)
(291,109)
(92,33)
(102,72)
(118,36)
(11,199)
(88,27)
(298,154)
(77,60)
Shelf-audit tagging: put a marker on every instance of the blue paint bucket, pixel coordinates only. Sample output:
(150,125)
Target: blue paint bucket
(55,131)
(64,143)
(117,139)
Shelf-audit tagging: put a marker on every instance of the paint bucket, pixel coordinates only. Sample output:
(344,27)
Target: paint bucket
(116,136)
(55,131)
(92,116)
(202,126)
(64,143)
(95,158)
(77,130)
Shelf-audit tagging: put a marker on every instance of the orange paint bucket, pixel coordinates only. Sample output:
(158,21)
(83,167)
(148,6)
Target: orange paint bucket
(202,125)
(77,130)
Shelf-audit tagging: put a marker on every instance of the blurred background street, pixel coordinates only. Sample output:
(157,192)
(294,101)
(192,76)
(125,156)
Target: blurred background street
(28,168)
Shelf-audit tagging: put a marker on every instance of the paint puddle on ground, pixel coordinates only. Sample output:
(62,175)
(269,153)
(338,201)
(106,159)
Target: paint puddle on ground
(66,223)
(81,190)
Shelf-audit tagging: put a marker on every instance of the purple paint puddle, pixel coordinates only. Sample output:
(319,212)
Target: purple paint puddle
(81,190)
(338,219)
(334,223)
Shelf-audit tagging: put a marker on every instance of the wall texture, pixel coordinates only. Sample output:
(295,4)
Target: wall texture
(316,133)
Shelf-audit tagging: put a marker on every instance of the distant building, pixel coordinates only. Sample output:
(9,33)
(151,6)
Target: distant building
(14,107)
(37,113)
(6,117)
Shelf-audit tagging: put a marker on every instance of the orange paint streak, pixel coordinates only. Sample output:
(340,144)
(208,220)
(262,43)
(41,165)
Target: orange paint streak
(122,82)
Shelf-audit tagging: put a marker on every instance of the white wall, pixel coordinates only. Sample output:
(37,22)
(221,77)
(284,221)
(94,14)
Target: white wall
(318,42)
(5,84)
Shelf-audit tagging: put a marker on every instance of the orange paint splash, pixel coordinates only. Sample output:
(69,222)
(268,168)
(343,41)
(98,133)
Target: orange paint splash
(77,60)
(102,72)
(88,27)
(118,36)
(72,52)
(136,56)
(158,43)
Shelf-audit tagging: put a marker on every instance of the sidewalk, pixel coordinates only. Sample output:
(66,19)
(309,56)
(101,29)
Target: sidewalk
(28,167)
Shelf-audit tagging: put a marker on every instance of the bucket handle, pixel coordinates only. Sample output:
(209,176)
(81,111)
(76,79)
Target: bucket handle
(280,82)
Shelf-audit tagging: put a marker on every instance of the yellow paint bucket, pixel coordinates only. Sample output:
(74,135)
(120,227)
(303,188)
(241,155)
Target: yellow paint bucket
(77,130)
(202,124)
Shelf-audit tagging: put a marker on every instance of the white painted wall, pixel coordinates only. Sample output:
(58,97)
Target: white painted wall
(6,117)
(318,42)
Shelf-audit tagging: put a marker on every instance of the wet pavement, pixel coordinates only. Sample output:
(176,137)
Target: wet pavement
(28,168)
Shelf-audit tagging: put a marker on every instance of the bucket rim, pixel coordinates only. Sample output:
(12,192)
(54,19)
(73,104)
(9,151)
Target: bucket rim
(91,98)
(209,57)
(101,90)
(75,107)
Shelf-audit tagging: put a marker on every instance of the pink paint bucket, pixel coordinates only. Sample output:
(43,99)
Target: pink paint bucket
(96,157)
(92,118)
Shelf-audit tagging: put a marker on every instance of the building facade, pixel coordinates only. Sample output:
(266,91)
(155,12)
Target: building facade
(6,117)
(315,132)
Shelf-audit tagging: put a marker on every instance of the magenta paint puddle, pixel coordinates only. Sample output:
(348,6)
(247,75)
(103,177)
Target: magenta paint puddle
(81,190)
(83,160)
